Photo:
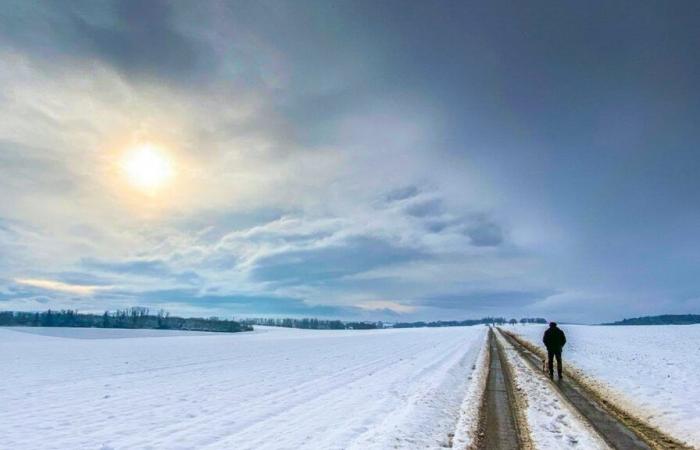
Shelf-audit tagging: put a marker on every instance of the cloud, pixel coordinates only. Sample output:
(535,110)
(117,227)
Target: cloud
(329,167)
(142,268)
(314,265)
(497,300)
(485,234)
(243,303)
(59,286)
(143,40)
(29,169)
(402,193)
(140,39)
(374,305)
(138,267)
(425,208)
(274,224)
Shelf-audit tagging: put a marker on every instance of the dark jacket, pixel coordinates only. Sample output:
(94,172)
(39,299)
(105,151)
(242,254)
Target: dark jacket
(554,339)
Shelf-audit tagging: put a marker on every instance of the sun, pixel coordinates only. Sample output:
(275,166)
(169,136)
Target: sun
(148,168)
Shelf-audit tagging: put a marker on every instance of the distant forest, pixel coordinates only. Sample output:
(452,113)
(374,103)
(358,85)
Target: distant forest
(314,324)
(139,317)
(128,318)
(666,319)
(319,324)
(470,322)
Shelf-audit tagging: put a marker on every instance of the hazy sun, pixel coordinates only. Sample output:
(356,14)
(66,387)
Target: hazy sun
(148,167)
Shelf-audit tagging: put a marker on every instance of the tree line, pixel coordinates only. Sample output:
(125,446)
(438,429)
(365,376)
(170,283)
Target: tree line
(140,317)
(314,324)
(666,319)
(137,317)
(470,322)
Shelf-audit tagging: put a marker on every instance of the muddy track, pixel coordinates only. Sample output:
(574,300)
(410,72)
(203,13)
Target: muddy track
(619,428)
(501,423)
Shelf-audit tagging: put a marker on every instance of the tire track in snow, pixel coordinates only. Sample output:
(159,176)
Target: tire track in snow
(553,423)
(301,393)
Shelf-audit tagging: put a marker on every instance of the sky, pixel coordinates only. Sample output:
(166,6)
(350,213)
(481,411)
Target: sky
(371,160)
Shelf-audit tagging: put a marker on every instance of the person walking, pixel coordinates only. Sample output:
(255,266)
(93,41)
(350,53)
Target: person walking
(554,339)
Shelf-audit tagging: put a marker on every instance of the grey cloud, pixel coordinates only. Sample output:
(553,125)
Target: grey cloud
(402,193)
(436,226)
(217,223)
(312,266)
(245,303)
(136,37)
(141,268)
(485,234)
(27,298)
(31,168)
(81,278)
(486,299)
(424,208)
(143,40)
(6,226)
(578,120)
(16,291)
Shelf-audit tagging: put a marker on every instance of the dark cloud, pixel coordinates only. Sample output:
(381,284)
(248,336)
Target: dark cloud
(312,266)
(245,304)
(580,119)
(142,268)
(142,39)
(139,38)
(425,208)
(485,234)
(436,226)
(402,193)
(497,300)
(16,291)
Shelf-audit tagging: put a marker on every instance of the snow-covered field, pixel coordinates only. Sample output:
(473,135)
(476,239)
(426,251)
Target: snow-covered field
(653,370)
(273,388)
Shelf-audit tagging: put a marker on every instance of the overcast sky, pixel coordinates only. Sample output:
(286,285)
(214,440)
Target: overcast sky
(395,160)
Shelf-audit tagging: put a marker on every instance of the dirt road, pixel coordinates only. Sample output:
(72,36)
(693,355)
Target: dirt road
(499,425)
(502,418)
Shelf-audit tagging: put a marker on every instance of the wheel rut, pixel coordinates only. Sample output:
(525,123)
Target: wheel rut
(499,426)
(619,429)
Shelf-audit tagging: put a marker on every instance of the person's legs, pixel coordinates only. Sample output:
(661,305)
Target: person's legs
(550,363)
(559,366)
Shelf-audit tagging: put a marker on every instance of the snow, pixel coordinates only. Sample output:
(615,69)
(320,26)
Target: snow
(269,389)
(468,422)
(105,333)
(651,370)
(552,422)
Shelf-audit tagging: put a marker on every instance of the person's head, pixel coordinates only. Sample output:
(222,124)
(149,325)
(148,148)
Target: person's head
(552,324)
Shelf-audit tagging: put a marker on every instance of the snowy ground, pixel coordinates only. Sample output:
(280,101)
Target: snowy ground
(653,370)
(274,388)
(553,424)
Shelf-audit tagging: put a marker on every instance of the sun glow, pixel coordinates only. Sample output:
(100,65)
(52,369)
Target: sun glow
(148,168)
